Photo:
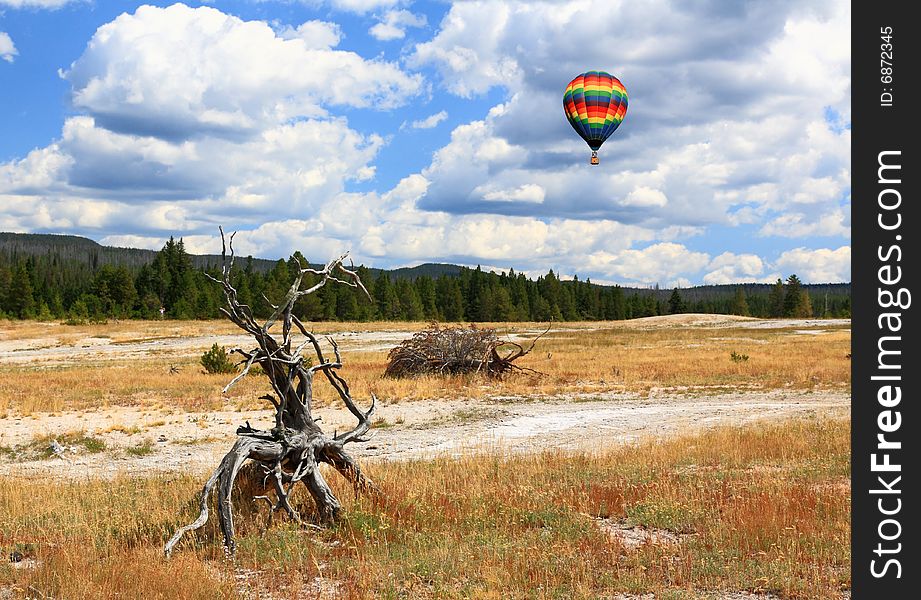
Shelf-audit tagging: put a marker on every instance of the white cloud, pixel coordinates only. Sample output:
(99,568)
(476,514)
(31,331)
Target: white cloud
(431,121)
(823,265)
(468,50)
(362,6)
(8,50)
(52,4)
(188,125)
(136,241)
(664,262)
(315,34)
(394,23)
(528,192)
(40,170)
(798,225)
(737,268)
(644,196)
(192,118)
(721,128)
(178,71)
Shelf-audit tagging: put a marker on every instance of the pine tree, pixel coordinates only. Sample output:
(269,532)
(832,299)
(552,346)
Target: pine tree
(793,298)
(567,303)
(388,304)
(5,279)
(615,306)
(450,299)
(347,306)
(803,308)
(776,299)
(410,305)
(518,288)
(676,303)
(542,309)
(739,304)
(504,309)
(425,288)
(20,301)
(309,307)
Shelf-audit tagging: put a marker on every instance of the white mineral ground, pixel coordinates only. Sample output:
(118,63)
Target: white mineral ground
(195,442)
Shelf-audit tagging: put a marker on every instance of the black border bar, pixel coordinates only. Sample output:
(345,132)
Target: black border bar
(885,265)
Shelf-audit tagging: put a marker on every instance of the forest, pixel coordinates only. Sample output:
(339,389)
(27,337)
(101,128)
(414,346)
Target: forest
(48,277)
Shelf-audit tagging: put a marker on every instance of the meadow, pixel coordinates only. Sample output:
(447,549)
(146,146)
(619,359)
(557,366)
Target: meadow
(760,508)
(636,356)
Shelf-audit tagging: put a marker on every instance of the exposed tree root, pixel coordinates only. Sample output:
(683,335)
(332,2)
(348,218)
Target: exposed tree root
(289,453)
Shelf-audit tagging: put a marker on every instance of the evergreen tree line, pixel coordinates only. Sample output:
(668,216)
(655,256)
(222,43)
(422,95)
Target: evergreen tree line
(54,286)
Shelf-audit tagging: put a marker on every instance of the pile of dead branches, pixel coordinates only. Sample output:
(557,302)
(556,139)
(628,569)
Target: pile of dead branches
(457,350)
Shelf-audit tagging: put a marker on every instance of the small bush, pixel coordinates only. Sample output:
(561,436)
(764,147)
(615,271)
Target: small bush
(43,446)
(216,360)
(738,358)
(143,449)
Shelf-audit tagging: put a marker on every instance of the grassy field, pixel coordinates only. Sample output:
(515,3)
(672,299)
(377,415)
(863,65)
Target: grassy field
(761,509)
(575,357)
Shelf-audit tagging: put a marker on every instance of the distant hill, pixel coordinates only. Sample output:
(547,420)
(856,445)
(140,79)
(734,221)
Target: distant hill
(707,292)
(93,254)
(64,276)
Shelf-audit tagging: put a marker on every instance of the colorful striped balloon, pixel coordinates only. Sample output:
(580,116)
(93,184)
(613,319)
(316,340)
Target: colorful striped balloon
(595,103)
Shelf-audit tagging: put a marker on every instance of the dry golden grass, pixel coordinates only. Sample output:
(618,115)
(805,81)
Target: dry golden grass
(766,508)
(581,357)
(135,330)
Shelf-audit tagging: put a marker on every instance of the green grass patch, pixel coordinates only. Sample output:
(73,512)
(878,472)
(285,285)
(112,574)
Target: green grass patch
(143,449)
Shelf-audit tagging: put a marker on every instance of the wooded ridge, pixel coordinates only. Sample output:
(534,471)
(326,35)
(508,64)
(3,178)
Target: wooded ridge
(74,278)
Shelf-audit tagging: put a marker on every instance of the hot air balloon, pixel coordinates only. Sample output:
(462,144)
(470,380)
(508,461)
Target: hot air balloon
(595,103)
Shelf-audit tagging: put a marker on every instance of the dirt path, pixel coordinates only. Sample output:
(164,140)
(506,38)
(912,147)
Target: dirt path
(183,442)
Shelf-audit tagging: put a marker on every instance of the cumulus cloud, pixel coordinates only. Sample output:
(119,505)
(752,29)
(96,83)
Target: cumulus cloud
(315,34)
(393,25)
(822,265)
(52,4)
(431,121)
(194,118)
(180,71)
(837,222)
(8,50)
(664,262)
(362,6)
(190,118)
(737,268)
(711,135)
(644,196)
(528,192)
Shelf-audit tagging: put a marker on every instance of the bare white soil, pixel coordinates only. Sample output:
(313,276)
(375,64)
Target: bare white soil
(186,442)
(173,441)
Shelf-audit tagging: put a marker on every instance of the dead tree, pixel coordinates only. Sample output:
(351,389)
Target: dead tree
(457,350)
(290,452)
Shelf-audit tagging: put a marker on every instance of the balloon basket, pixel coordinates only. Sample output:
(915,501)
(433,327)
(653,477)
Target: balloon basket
(594,160)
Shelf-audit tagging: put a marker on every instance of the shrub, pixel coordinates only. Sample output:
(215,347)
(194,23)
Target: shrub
(738,358)
(216,360)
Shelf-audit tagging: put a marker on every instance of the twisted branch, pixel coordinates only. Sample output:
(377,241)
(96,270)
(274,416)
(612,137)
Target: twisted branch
(291,451)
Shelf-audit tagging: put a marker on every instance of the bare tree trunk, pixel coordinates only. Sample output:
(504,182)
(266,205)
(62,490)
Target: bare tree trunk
(290,452)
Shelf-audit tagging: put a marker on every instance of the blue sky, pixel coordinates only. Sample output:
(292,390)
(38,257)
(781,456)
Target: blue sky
(410,132)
